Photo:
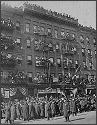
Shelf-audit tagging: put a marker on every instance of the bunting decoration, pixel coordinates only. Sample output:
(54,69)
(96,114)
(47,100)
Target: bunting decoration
(23,90)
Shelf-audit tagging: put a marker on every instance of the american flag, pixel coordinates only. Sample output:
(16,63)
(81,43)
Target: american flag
(23,90)
(13,91)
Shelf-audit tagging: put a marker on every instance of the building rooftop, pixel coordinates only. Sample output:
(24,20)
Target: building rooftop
(40,9)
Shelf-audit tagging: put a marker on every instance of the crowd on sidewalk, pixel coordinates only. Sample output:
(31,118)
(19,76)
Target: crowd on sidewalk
(35,108)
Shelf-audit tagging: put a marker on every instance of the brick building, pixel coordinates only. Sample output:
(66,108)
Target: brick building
(41,48)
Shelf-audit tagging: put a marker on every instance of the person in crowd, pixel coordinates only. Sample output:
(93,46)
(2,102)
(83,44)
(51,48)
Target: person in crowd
(13,112)
(25,111)
(73,107)
(7,113)
(31,110)
(66,109)
(48,109)
(52,109)
(18,110)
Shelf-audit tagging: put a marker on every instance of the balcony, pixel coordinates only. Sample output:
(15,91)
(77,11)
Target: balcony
(14,78)
(7,43)
(7,25)
(7,62)
(41,62)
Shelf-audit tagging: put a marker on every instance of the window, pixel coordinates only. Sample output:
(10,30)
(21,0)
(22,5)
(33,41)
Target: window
(90,65)
(18,25)
(83,51)
(57,47)
(50,46)
(28,27)
(28,43)
(67,34)
(56,34)
(59,62)
(62,34)
(95,52)
(18,41)
(89,52)
(35,28)
(81,39)
(60,77)
(53,75)
(73,35)
(94,42)
(2,74)
(76,64)
(87,39)
(9,55)
(49,32)
(52,60)
(37,61)
(42,29)
(29,58)
(84,63)
(30,76)
(19,59)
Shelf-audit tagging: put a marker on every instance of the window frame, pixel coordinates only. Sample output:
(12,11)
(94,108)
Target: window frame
(56,33)
(28,43)
(27,27)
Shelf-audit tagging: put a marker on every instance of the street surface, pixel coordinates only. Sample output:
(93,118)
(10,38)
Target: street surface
(81,118)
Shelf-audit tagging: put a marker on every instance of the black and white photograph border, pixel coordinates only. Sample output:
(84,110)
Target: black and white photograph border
(48,62)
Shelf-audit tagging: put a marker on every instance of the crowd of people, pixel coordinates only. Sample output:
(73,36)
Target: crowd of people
(38,108)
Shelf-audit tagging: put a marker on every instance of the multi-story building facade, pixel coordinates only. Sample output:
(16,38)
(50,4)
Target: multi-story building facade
(41,48)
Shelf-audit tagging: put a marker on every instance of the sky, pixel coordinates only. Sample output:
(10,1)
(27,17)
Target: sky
(84,11)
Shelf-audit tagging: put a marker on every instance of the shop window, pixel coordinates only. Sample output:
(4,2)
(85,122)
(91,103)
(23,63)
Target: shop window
(30,77)
(29,59)
(28,43)
(28,27)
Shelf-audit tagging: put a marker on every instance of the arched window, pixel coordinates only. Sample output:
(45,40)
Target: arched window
(87,40)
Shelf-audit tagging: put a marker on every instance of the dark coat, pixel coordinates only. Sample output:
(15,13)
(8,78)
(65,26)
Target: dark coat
(66,109)
(48,108)
(18,110)
(13,112)
(41,110)
(31,110)
(52,108)
(7,113)
(25,111)
(72,106)
(37,110)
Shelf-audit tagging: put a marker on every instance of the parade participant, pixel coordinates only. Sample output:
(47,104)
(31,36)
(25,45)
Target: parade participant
(18,110)
(37,109)
(48,110)
(7,113)
(66,109)
(72,106)
(41,110)
(13,112)
(31,111)
(52,109)
(25,111)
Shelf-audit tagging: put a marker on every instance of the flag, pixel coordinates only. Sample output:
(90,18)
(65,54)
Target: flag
(74,91)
